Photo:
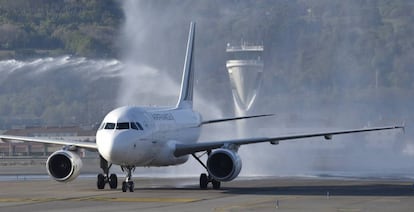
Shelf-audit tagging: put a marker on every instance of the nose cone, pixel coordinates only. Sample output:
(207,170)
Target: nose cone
(115,146)
(105,143)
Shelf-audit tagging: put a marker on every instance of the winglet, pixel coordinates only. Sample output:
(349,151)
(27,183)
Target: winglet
(402,127)
(186,94)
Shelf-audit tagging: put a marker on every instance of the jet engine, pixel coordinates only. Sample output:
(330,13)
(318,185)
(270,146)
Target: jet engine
(224,165)
(64,165)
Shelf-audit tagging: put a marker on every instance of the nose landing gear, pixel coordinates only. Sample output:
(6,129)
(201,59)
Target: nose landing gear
(128,184)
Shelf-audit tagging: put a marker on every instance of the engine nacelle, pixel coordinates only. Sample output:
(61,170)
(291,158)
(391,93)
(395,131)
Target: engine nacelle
(224,165)
(64,165)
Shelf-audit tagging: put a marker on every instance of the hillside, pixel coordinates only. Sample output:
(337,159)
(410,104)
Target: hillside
(352,57)
(55,27)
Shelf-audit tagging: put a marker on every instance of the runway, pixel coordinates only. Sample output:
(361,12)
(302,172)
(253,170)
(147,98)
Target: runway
(244,194)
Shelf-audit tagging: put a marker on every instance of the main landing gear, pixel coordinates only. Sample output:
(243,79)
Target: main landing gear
(206,179)
(128,184)
(104,178)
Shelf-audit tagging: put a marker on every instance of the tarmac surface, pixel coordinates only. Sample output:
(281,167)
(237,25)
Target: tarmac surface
(183,194)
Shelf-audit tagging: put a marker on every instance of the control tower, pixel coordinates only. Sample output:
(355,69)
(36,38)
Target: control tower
(245,67)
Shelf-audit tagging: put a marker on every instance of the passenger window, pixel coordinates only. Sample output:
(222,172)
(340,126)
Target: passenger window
(110,126)
(122,126)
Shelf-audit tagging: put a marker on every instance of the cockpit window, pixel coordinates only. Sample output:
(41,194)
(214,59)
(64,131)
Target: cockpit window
(101,126)
(110,126)
(122,126)
(139,125)
(136,126)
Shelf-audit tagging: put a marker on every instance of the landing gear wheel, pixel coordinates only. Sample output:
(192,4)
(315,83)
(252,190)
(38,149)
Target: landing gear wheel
(128,186)
(216,184)
(113,181)
(101,181)
(104,177)
(131,186)
(203,181)
(204,178)
(124,186)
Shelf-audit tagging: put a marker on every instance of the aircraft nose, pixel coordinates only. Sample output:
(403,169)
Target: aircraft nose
(113,146)
(105,143)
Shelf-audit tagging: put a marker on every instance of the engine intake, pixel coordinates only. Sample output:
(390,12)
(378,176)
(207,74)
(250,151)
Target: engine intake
(63,165)
(224,165)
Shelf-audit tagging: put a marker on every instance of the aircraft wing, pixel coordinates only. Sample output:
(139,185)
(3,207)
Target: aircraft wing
(185,149)
(81,144)
(233,119)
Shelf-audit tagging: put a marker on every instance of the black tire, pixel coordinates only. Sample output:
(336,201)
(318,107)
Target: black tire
(113,181)
(203,181)
(124,186)
(131,186)
(101,181)
(216,184)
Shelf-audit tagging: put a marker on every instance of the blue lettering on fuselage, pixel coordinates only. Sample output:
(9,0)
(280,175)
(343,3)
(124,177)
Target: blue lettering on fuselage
(163,116)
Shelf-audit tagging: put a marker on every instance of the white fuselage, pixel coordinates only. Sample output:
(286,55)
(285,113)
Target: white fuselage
(136,136)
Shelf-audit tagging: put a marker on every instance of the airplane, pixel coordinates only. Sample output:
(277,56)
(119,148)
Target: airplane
(161,136)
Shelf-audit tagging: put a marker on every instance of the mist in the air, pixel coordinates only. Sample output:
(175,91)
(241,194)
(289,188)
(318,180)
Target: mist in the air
(154,45)
(315,80)
(55,91)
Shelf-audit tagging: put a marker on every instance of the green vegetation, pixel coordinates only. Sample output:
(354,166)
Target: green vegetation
(54,27)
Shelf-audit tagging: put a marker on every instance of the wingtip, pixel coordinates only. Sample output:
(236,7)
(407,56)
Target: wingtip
(264,115)
(402,127)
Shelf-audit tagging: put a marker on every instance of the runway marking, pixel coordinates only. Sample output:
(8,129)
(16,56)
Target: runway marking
(388,200)
(106,199)
(258,203)
(138,199)
(349,209)
(8,200)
